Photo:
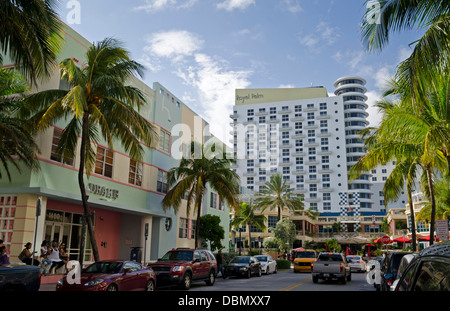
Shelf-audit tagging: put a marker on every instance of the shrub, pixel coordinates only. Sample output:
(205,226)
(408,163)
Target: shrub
(283,264)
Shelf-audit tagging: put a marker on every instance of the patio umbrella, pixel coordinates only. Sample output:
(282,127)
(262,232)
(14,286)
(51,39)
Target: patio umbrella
(402,240)
(298,249)
(427,238)
(379,241)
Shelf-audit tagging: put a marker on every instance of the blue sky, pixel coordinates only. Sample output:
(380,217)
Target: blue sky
(202,50)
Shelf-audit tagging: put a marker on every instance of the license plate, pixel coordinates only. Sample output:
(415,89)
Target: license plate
(326,275)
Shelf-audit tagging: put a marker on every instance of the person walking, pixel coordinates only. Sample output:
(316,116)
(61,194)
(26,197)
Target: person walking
(220,268)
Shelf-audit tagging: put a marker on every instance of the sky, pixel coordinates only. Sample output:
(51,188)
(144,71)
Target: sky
(202,50)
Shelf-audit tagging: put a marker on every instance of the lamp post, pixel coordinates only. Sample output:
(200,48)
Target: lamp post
(240,238)
(38,213)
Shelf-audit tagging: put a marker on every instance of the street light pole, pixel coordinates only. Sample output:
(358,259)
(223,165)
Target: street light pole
(240,238)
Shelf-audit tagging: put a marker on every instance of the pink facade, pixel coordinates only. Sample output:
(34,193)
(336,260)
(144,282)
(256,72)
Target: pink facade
(107,227)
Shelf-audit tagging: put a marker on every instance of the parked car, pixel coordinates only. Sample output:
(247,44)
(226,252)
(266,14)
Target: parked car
(111,276)
(380,261)
(268,264)
(389,269)
(429,271)
(243,266)
(331,266)
(356,263)
(303,260)
(183,266)
(404,263)
(16,277)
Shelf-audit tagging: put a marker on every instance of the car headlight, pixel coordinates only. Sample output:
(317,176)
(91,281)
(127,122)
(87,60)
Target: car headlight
(92,283)
(244,269)
(60,282)
(177,268)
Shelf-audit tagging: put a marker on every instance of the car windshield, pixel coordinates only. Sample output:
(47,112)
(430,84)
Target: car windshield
(104,267)
(240,260)
(261,258)
(397,258)
(305,255)
(178,255)
(330,257)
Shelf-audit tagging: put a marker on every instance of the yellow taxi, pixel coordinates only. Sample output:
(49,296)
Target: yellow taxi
(303,260)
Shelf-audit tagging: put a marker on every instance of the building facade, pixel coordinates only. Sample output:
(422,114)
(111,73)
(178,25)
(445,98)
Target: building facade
(125,196)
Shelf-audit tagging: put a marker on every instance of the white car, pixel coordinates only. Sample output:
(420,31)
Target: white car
(268,264)
(356,263)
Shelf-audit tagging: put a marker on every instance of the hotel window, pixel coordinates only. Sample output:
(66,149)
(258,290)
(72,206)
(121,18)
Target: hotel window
(312,187)
(7,214)
(55,156)
(311,133)
(272,221)
(135,174)
(250,181)
(164,141)
(273,110)
(298,108)
(285,118)
(193,226)
(104,162)
(213,201)
(310,106)
(323,106)
(310,116)
(250,112)
(262,120)
(327,196)
(326,206)
(183,229)
(161,182)
(262,110)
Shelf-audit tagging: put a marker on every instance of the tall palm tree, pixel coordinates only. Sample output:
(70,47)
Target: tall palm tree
(100,105)
(16,141)
(431,52)
(30,35)
(246,216)
(442,202)
(194,174)
(277,194)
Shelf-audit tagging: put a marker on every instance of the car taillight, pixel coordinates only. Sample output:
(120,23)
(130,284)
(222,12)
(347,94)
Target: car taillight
(342,267)
(389,282)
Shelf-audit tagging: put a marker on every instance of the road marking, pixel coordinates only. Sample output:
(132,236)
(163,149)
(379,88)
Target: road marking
(292,286)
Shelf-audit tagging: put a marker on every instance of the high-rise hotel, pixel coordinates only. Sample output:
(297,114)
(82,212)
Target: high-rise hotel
(311,139)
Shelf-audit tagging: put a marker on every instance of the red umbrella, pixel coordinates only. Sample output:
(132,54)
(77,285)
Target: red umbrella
(299,249)
(379,241)
(427,238)
(402,240)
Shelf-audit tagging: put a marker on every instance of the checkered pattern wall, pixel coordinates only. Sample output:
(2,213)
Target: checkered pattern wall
(345,208)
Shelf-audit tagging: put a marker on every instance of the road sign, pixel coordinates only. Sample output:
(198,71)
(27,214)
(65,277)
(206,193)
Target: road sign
(442,229)
(385,240)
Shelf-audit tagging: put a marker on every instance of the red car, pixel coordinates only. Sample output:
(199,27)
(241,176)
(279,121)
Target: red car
(111,276)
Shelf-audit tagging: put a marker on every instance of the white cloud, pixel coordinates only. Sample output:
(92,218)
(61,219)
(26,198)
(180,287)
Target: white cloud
(292,6)
(211,79)
(231,5)
(323,35)
(152,6)
(374,115)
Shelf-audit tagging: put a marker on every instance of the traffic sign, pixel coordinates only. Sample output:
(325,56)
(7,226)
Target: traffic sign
(385,240)
(442,229)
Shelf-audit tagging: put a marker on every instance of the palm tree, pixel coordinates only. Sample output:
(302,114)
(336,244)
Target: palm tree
(431,52)
(193,175)
(277,194)
(246,216)
(16,142)
(442,202)
(30,35)
(99,105)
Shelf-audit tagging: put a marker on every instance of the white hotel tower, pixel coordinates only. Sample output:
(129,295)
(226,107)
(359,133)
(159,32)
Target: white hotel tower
(308,137)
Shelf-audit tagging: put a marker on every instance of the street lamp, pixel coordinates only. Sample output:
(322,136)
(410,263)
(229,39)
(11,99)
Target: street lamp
(240,238)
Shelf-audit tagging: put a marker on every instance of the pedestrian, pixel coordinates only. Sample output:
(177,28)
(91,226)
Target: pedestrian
(4,260)
(53,255)
(220,268)
(45,262)
(63,255)
(26,256)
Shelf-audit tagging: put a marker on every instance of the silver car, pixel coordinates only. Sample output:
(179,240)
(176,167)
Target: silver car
(268,264)
(356,263)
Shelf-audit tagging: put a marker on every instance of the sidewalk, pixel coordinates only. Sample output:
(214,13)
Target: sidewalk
(48,282)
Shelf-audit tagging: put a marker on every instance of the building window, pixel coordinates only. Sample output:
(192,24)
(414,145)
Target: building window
(192,229)
(164,141)
(213,201)
(135,174)
(55,156)
(161,183)
(7,214)
(104,162)
(183,229)
(272,221)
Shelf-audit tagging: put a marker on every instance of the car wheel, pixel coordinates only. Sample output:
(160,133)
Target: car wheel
(112,288)
(349,278)
(186,282)
(150,287)
(249,274)
(344,280)
(211,278)
(267,271)
(315,279)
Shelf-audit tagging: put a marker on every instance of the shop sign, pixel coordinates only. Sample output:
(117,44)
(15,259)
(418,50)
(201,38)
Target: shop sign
(104,191)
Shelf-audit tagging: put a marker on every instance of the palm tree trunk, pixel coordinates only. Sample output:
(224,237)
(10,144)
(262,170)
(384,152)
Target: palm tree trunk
(413,219)
(249,239)
(197,227)
(433,203)
(84,198)
(279,213)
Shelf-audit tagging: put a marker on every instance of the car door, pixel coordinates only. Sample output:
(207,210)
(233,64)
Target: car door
(196,265)
(204,264)
(130,277)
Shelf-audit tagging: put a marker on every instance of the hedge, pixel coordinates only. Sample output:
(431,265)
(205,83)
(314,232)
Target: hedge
(283,264)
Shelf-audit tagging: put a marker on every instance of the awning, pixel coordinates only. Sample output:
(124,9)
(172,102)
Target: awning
(427,238)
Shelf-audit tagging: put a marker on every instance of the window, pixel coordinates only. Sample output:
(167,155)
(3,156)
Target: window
(7,214)
(327,196)
(183,229)
(161,182)
(135,174)
(164,141)
(55,156)
(104,162)
(272,221)
(273,110)
(213,201)
(193,226)
(433,276)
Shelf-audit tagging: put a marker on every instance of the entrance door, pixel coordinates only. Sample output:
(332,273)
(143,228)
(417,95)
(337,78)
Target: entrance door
(350,227)
(55,232)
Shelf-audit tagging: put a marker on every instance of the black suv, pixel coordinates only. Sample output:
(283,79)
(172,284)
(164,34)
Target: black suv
(183,266)
(390,268)
(429,271)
